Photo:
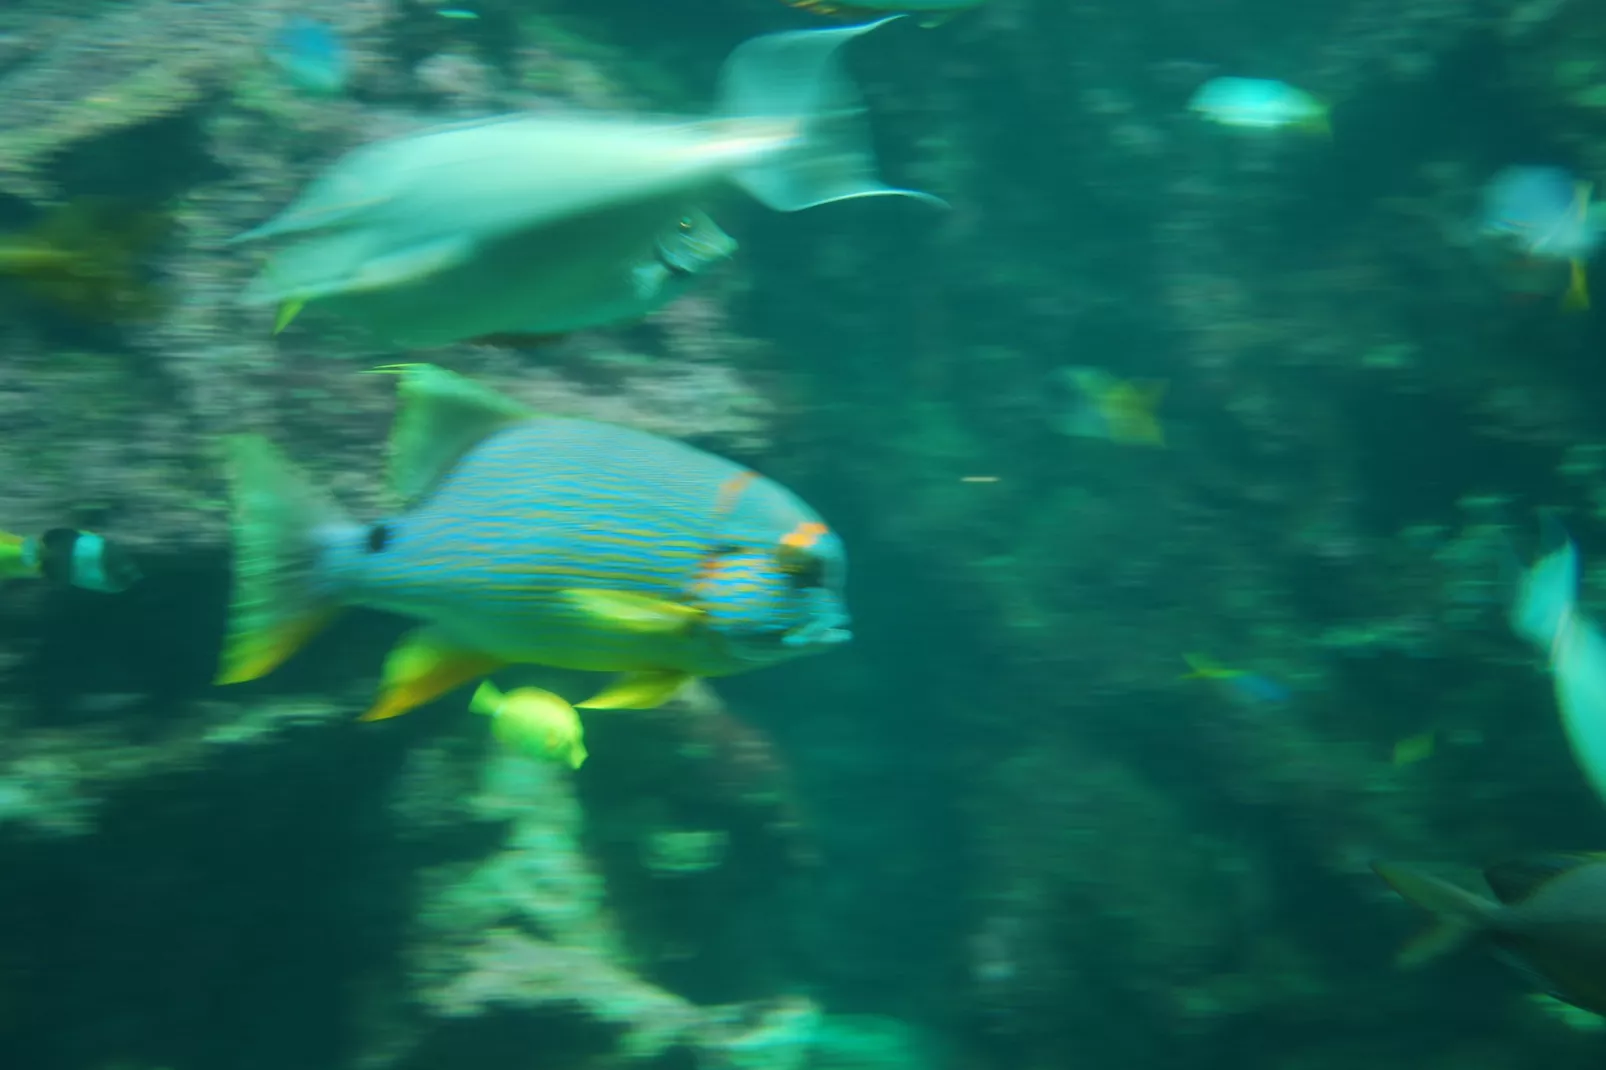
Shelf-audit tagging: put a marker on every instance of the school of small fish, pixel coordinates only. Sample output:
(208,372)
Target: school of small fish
(528,539)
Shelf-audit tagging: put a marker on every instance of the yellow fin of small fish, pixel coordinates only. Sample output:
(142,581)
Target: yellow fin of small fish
(287,314)
(634,612)
(638,691)
(1130,412)
(423,667)
(1576,299)
(1320,123)
(14,562)
(440,418)
(1202,668)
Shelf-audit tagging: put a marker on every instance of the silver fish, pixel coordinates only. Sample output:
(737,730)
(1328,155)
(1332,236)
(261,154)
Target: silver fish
(558,209)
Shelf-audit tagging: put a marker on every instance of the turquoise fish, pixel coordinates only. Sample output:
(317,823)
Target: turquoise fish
(533,539)
(538,222)
(1546,614)
(1547,216)
(1259,104)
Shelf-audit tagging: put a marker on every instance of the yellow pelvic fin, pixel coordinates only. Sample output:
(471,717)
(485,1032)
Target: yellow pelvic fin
(287,313)
(635,613)
(1576,299)
(487,699)
(422,668)
(638,690)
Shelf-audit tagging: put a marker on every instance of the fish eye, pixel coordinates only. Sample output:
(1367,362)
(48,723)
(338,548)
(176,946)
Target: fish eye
(685,223)
(803,569)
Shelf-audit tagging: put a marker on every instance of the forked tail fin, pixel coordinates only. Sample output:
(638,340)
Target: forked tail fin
(1457,913)
(281,525)
(798,77)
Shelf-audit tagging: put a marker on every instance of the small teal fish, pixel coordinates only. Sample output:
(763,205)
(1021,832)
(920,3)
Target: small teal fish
(68,557)
(1546,215)
(1259,104)
(534,540)
(312,55)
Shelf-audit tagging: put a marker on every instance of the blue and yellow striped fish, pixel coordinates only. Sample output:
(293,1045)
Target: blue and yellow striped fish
(534,540)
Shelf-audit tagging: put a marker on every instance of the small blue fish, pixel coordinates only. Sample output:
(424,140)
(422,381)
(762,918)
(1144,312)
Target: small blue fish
(312,55)
(1259,104)
(1545,214)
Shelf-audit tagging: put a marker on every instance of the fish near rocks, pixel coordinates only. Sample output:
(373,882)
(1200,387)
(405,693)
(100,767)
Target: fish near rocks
(534,224)
(531,539)
(1548,917)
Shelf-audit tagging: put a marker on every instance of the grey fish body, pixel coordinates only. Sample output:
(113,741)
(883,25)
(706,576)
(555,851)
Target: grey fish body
(557,213)
(598,269)
(1550,918)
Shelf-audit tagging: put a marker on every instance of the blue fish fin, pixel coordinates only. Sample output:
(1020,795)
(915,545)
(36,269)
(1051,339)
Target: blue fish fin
(635,613)
(441,417)
(281,525)
(797,76)
(424,666)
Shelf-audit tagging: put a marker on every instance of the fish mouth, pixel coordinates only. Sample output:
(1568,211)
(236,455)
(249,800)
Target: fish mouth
(818,634)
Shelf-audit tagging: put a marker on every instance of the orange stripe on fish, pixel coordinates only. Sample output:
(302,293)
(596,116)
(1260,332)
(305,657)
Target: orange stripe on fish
(805,535)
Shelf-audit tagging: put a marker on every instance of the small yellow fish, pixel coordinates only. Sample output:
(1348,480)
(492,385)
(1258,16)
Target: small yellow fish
(1117,410)
(533,722)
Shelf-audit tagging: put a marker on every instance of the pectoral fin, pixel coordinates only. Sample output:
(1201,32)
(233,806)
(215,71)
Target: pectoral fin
(634,613)
(423,667)
(638,691)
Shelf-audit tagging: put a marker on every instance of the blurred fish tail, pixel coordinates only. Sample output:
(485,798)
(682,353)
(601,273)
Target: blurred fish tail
(797,77)
(487,699)
(282,528)
(1546,597)
(1458,914)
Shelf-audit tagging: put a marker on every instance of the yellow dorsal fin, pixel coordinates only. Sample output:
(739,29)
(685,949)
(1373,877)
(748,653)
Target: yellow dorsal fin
(423,667)
(442,416)
(638,690)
